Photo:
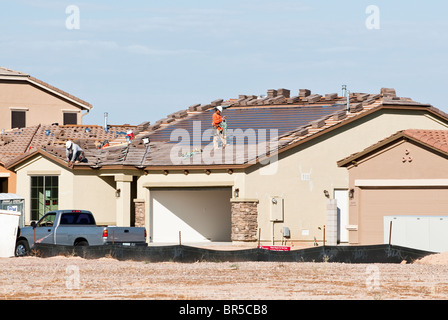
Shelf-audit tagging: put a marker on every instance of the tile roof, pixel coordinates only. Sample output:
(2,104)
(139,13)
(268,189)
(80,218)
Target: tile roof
(296,119)
(17,75)
(434,139)
(437,139)
(52,138)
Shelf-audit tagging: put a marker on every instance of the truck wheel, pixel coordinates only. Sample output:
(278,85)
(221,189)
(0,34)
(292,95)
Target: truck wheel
(22,248)
(82,243)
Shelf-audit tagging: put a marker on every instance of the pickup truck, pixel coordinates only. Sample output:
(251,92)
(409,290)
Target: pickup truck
(75,228)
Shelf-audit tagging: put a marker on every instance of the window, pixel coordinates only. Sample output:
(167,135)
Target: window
(3,185)
(70,118)
(47,220)
(69,218)
(44,195)
(18,119)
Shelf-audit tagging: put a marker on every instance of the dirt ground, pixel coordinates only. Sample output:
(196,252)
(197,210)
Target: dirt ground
(70,278)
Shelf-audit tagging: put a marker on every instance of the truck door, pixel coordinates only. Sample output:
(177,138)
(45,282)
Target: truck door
(44,230)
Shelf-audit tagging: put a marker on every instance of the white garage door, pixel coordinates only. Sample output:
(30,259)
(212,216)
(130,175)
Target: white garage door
(199,214)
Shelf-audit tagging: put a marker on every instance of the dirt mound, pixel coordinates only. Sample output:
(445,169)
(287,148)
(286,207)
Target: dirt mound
(438,258)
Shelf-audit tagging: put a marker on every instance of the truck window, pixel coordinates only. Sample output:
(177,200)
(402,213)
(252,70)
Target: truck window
(70,218)
(47,220)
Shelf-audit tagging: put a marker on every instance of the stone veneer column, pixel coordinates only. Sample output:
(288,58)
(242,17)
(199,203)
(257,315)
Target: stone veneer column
(244,219)
(139,206)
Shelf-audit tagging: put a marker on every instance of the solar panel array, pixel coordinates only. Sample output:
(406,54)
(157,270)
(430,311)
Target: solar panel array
(246,120)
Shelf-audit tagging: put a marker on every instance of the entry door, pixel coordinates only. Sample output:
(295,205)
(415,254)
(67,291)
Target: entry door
(341,195)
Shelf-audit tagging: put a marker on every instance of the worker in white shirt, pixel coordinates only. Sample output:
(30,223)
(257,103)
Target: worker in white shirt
(74,153)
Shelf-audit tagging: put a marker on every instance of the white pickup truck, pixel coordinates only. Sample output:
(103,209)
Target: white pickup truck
(75,228)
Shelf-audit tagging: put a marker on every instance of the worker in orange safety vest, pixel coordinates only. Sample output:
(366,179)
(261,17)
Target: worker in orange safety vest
(217,128)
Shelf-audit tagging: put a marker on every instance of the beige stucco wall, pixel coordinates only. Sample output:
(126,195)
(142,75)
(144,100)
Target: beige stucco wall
(304,201)
(405,163)
(85,191)
(41,106)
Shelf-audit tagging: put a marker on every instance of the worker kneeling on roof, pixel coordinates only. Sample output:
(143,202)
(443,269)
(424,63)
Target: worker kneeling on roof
(74,153)
(218,133)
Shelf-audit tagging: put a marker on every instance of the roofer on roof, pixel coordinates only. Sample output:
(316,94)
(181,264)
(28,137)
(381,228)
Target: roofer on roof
(217,128)
(74,153)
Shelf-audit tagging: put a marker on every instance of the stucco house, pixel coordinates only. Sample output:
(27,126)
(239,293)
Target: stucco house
(33,159)
(271,183)
(26,101)
(405,174)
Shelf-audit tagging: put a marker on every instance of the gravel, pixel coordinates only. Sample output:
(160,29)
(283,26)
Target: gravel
(71,278)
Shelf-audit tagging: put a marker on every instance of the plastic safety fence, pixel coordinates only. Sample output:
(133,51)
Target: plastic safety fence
(180,253)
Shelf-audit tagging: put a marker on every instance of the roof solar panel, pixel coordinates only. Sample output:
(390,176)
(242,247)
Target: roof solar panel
(281,119)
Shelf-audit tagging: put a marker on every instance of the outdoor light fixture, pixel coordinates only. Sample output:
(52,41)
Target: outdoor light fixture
(207,172)
(351,193)
(274,201)
(236,193)
(186,172)
(230,171)
(118,193)
(326,193)
(165,172)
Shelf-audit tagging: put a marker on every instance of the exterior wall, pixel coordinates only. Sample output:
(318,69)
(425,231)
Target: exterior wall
(10,177)
(41,107)
(305,172)
(94,193)
(76,191)
(404,174)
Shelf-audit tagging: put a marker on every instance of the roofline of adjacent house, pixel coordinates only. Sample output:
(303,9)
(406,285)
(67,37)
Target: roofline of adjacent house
(41,84)
(400,135)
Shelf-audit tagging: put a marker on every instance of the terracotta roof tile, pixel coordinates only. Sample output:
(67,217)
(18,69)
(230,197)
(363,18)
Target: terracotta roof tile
(436,139)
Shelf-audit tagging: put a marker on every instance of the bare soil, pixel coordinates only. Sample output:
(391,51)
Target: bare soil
(71,278)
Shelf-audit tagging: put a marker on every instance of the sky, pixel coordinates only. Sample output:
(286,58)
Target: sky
(142,60)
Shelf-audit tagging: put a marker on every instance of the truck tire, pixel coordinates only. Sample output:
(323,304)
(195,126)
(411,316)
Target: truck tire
(81,243)
(22,248)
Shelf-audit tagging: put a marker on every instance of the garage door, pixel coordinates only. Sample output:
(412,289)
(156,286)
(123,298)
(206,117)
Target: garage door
(199,214)
(377,203)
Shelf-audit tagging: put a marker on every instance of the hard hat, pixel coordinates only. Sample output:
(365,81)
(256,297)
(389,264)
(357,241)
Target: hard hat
(219,108)
(68,144)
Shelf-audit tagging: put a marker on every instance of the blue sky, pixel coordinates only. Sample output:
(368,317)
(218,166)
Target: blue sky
(142,60)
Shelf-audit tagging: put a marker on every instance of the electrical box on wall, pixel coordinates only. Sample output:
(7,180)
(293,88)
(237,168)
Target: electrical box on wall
(276,209)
